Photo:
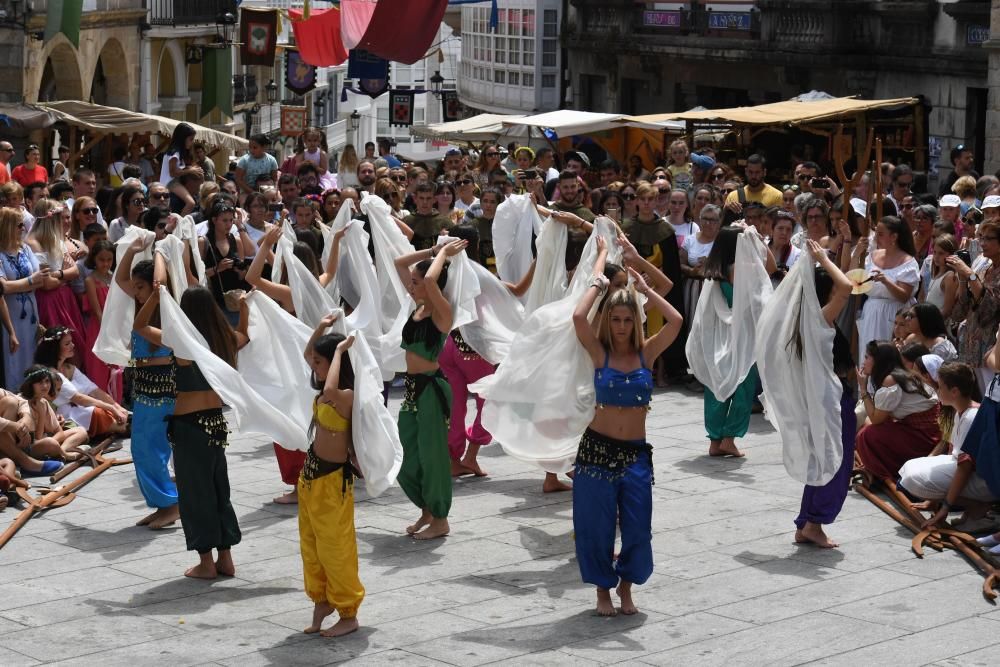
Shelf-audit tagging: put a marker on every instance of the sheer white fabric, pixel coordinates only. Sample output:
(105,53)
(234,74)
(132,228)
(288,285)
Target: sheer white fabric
(549,282)
(541,399)
(499,316)
(115,337)
(171,248)
(345,285)
(462,288)
(274,364)
(720,345)
(373,429)
(186,230)
(803,394)
(515,221)
(249,411)
(311,301)
(396,303)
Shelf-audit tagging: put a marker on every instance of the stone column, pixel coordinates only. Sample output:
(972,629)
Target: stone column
(992,159)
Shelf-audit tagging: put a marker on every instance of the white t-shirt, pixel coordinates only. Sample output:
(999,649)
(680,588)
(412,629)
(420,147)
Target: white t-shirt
(165,168)
(462,206)
(961,429)
(81,384)
(117,229)
(696,250)
(685,230)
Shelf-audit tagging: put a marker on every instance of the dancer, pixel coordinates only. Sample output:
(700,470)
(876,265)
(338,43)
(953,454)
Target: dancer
(614,465)
(153,393)
(199,432)
(326,488)
(423,418)
(821,504)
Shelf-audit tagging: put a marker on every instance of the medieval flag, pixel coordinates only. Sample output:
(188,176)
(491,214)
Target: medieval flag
(401,108)
(63,16)
(300,77)
(451,108)
(258,35)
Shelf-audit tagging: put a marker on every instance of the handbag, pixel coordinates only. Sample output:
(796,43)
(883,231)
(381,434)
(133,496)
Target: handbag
(231,298)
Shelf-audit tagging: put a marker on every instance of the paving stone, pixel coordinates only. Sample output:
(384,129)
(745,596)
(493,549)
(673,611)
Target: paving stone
(938,643)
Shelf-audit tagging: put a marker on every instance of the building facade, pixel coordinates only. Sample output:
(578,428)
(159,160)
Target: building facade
(517,67)
(651,57)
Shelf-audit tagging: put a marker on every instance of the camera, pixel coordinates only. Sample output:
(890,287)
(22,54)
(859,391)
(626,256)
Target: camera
(530,174)
(820,183)
(275,208)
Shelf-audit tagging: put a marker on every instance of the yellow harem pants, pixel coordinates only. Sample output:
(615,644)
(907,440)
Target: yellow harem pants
(329,546)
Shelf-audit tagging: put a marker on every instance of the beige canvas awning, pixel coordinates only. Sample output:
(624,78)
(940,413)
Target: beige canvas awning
(112,120)
(484,127)
(790,112)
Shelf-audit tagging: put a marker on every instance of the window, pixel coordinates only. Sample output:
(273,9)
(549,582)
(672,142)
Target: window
(514,76)
(548,81)
(528,80)
(550,26)
(383,120)
(528,23)
(501,22)
(529,52)
(501,50)
(515,22)
(515,55)
(549,53)
(498,76)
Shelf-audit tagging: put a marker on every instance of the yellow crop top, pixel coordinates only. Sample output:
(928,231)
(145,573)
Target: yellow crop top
(327,416)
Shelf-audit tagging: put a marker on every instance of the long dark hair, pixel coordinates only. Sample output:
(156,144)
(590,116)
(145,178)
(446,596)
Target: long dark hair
(843,360)
(47,350)
(37,373)
(904,236)
(930,321)
(305,253)
(199,305)
(887,362)
(470,234)
(723,254)
(325,346)
(424,265)
(178,141)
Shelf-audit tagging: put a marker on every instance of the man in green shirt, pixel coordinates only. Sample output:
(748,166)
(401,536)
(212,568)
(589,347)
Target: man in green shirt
(569,201)
(425,222)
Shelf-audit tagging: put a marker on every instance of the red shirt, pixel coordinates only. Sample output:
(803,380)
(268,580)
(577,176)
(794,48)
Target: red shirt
(26,176)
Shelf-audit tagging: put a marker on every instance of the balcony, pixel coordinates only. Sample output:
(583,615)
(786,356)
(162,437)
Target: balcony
(188,12)
(244,89)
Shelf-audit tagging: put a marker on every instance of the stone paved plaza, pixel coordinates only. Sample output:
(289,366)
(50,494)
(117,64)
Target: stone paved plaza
(82,585)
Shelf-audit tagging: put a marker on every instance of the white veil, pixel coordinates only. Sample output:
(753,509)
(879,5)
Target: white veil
(115,338)
(803,394)
(720,345)
(541,398)
(248,411)
(515,221)
(549,282)
(187,231)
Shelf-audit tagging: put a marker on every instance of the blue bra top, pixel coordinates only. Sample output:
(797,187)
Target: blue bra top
(143,349)
(625,390)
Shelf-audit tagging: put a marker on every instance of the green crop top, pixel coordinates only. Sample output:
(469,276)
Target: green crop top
(423,339)
(190,378)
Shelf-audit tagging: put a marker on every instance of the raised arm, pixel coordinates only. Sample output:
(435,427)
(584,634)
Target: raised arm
(581,321)
(141,324)
(123,274)
(341,399)
(842,285)
(333,260)
(524,283)
(405,262)
(659,282)
(673,320)
(442,315)
(320,329)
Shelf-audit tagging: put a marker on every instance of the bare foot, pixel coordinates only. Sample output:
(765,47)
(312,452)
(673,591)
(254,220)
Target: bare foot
(344,626)
(624,592)
(459,470)
(424,519)
(436,528)
(553,485)
(202,571)
(925,505)
(605,607)
(812,533)
(320,611)
(473,465)
(164,517)
(144,521)
(224,565)
(3,502)
(290,498)
(725,447)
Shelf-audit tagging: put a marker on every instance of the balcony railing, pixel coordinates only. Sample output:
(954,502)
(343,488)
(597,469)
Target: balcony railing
(244,89)
(188,12)
(698,22)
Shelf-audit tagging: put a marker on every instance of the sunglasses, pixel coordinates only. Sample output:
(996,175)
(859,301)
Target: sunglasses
(464,181)
(137,202)
(161,195)
(628,196)
(399,179)
(492,154)
(719,176)
(89,211)
(664,191)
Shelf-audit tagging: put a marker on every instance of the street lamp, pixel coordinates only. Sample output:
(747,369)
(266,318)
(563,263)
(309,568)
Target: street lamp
(436,82)
(271,90)
(225,27)
(355,120)
(318,105)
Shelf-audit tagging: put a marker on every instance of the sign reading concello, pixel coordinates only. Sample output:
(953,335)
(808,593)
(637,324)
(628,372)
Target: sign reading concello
(661,19)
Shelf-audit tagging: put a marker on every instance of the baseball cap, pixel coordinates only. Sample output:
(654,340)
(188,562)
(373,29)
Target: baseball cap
(703,162)
(950,200)
(993,201)
(578,156)
(453,151)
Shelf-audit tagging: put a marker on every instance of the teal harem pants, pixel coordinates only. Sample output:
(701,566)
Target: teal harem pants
(425,475)
(207,515)
(613,485)
(731,418)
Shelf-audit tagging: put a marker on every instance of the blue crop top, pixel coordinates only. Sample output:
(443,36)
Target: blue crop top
(625,390)
(143,349)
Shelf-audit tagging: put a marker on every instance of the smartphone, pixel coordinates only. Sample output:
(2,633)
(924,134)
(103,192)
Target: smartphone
(530,174)
(275,208)
(965,257)
(613,213)
(820,183)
